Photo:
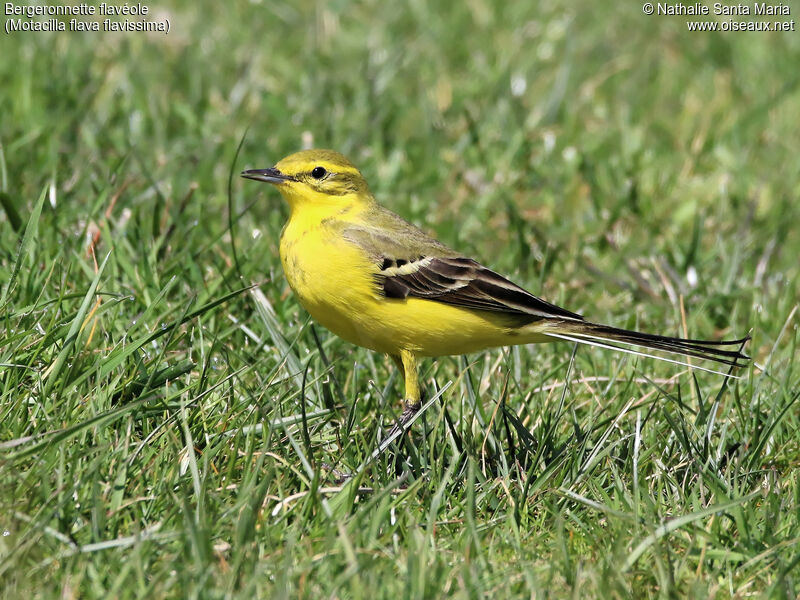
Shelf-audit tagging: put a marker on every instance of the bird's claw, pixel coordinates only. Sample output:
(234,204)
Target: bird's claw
(410,409)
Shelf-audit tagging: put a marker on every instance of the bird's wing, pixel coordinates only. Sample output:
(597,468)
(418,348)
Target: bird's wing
(411,264)
(463,282)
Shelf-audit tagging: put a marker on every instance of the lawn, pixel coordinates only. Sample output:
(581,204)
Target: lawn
(173,424)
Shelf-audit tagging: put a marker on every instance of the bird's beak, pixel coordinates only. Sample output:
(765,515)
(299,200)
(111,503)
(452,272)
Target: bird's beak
(272,175)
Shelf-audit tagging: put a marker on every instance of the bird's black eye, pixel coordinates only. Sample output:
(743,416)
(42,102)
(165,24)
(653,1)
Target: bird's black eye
(318,172)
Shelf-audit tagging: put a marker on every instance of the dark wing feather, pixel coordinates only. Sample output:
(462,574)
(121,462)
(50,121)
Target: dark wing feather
(411,264)
(463,282)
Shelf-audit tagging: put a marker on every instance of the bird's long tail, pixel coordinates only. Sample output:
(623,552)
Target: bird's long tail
(726,352)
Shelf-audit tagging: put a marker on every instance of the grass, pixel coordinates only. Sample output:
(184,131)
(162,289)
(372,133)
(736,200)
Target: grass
(167,410)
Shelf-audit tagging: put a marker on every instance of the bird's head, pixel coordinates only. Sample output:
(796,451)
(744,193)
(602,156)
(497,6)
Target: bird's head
(315,178)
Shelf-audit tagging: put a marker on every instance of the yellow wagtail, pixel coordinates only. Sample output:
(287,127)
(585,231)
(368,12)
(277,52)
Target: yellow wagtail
(379,282)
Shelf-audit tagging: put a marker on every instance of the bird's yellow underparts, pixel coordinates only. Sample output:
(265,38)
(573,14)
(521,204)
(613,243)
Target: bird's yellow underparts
(379,282)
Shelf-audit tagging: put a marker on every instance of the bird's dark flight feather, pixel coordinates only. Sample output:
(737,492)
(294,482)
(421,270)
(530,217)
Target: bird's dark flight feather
(464,282)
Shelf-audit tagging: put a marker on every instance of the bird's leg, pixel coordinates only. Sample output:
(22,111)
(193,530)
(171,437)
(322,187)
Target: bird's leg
(407,363)
(413,400)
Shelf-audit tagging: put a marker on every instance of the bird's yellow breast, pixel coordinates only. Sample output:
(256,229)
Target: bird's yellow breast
(337,284)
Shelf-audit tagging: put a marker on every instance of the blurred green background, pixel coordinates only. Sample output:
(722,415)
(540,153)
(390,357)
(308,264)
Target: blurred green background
(165,428)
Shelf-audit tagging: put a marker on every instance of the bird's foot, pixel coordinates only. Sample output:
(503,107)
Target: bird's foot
(411,408)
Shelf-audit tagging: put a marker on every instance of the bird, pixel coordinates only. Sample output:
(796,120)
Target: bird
(379,282)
